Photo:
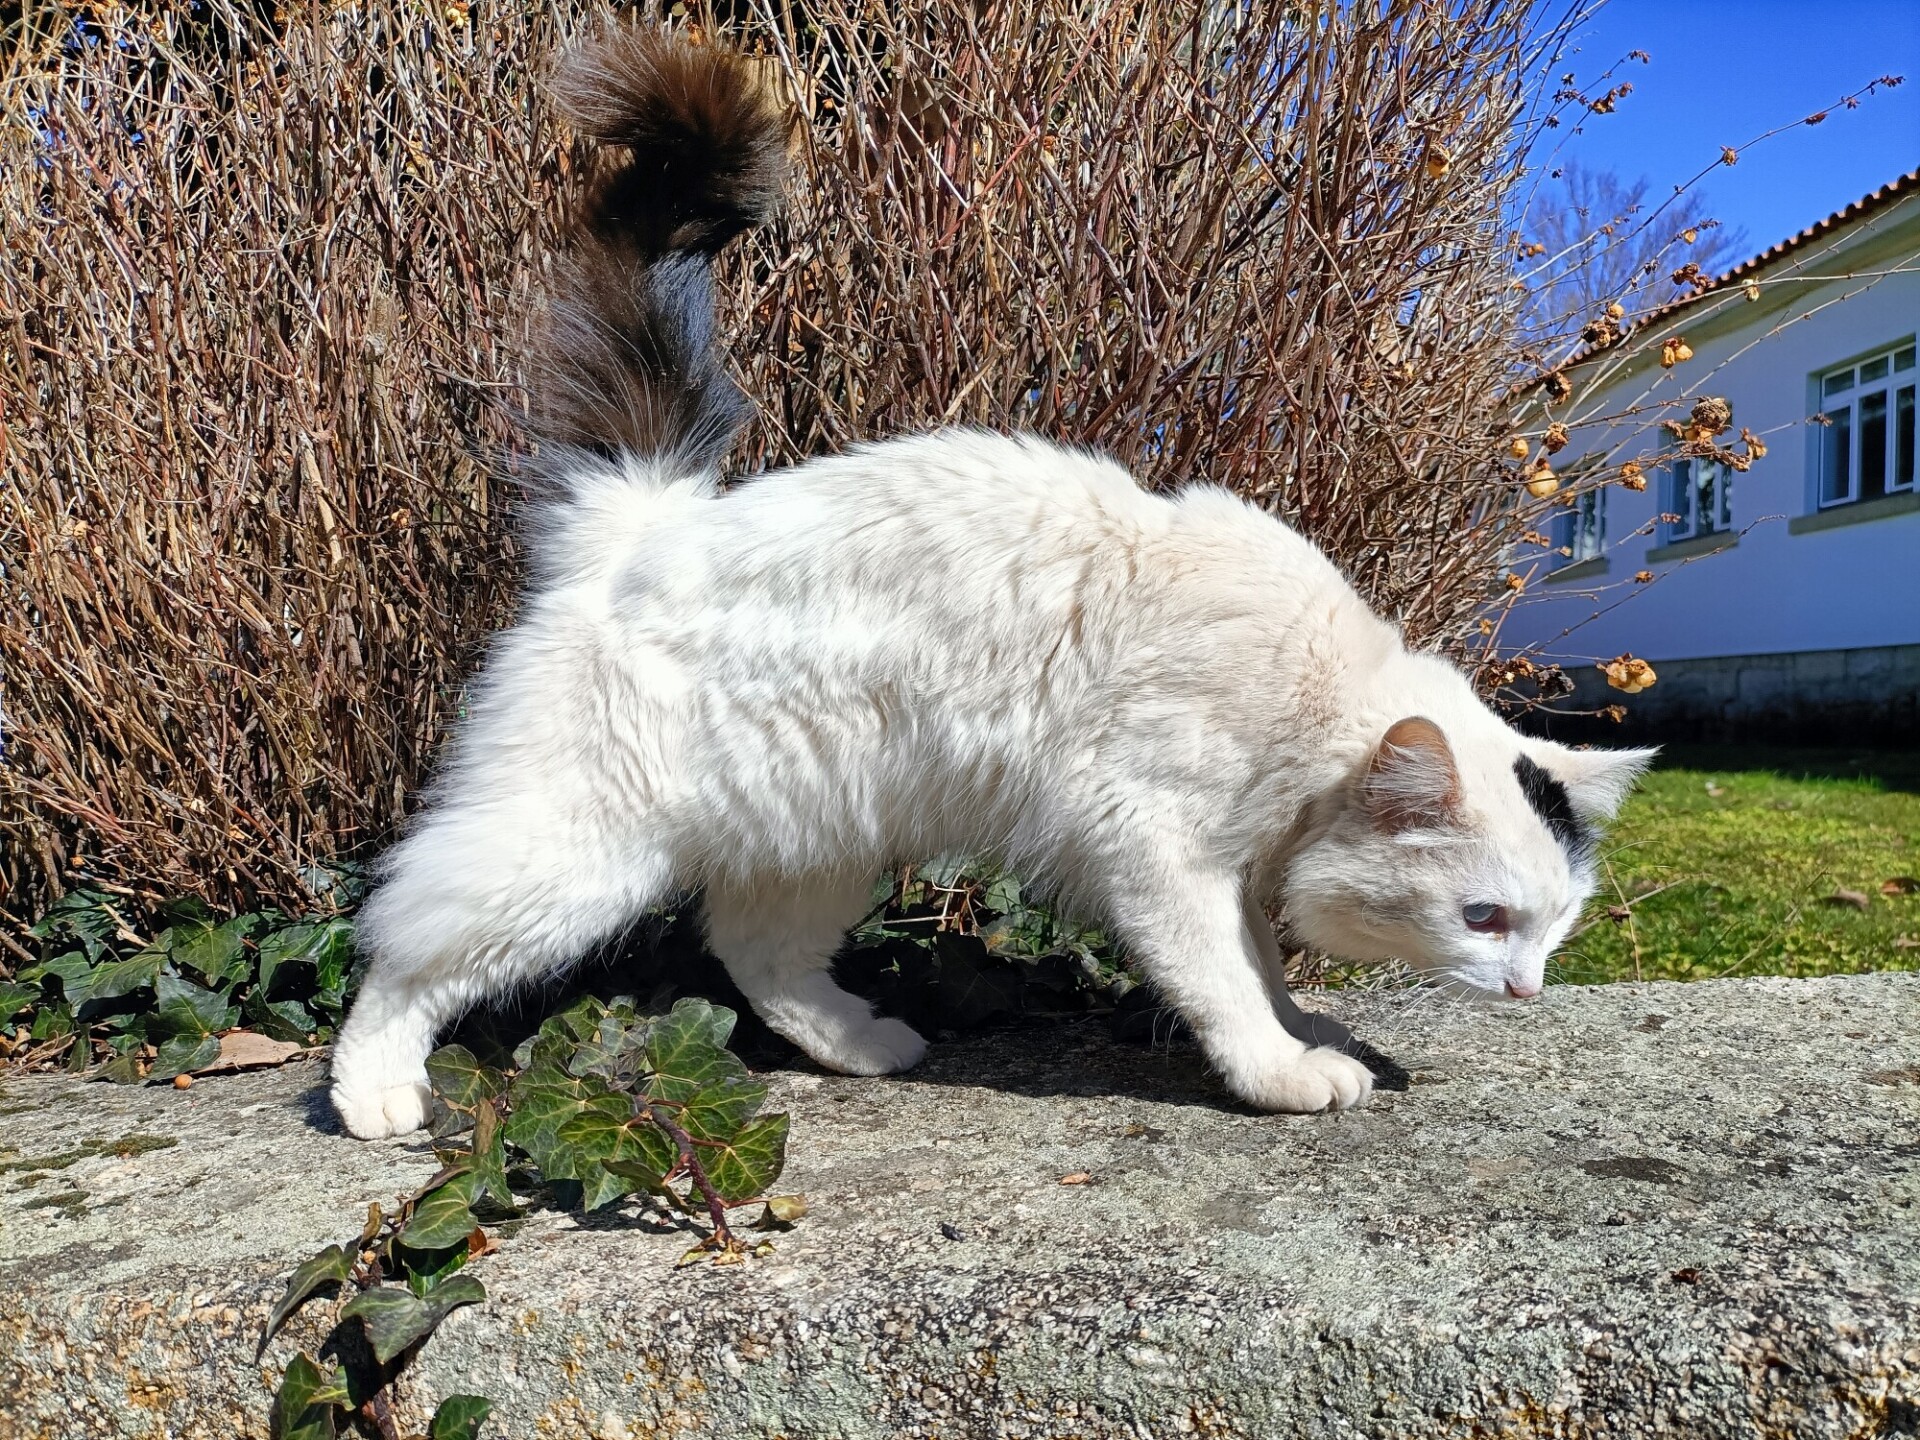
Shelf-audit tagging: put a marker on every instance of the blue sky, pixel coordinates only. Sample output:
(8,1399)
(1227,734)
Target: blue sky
(1725,72)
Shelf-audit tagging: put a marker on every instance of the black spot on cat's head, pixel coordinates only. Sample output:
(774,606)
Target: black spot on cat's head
(1549,800)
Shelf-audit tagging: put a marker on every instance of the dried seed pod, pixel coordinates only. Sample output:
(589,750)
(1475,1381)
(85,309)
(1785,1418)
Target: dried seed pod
(1518,448)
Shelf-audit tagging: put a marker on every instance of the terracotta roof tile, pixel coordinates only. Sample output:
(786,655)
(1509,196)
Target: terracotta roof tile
(1847,215)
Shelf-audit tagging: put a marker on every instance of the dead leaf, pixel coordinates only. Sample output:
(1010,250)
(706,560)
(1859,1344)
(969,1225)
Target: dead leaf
(786,1208)
(480,1243)
(249,1050)
(1900,885)
(1078,1177)
(1905,942)
(1847,897)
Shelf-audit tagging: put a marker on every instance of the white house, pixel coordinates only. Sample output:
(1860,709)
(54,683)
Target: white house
(1782,601)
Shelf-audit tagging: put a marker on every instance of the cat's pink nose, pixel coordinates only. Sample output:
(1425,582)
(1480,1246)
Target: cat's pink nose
(1522,992)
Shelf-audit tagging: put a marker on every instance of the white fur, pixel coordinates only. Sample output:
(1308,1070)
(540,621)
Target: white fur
(1163,706)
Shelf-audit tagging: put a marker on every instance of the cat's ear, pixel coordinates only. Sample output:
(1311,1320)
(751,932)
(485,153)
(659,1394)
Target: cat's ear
(1598,781)
(1412,782)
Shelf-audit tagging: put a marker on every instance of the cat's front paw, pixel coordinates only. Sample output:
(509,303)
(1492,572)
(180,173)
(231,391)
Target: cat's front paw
(374,1113)
(879,1047)
(1321,1079)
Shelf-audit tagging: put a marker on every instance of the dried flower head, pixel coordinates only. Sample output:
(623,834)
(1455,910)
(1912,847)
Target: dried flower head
(1628,673)
(1712,414)
(1674,351)
(1633,476)
(1556,438)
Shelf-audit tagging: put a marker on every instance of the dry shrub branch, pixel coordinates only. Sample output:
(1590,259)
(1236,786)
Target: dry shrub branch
(263,279)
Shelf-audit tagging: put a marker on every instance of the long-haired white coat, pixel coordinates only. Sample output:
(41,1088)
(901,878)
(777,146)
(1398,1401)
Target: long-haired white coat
(1172,709)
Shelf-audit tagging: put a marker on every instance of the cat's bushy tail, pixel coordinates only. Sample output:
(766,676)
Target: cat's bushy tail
(691,151)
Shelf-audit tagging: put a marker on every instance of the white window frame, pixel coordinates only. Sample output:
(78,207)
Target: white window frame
(1682,483)
(1579,531)
(1839,393)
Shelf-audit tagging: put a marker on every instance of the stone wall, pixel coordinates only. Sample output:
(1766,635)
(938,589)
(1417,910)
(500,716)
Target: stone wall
(1817,697)
(1622,1211)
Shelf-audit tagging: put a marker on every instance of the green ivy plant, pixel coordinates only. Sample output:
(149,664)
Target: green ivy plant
(153,1006)
(601,1103)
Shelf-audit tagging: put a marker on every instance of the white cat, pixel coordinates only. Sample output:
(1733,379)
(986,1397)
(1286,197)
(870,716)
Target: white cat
(1173,709)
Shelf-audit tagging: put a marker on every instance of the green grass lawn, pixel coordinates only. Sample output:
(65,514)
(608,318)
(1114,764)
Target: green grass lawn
(1725,860)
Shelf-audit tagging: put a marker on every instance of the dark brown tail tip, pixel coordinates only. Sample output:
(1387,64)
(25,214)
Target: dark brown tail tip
(703,142)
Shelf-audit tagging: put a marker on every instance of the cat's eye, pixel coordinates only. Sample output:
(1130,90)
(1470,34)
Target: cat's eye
(1487,919)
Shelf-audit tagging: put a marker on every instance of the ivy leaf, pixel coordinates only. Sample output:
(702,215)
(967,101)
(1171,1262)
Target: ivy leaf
(329,1267)
(70,969)
(750,1162)
(717,1111)
(303,1408)
(685,1051)
(282,1019)
(189,1010)
(325,945)
(544,1099)
(944,870)
(395,1318)
(121,1070)
(441,1217)
(460,1079)
(182,1054)
(605,1134)
(459,1418)
(84,915)
(552,1044)
(1003,894)
(615,1051)
(489,1156)
(15,998)
(51,1021)
(216,953)
(116,978)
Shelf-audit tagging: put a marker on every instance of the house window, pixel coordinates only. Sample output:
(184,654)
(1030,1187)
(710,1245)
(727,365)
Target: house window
(1579,531)
(1699,498)
(1867,447)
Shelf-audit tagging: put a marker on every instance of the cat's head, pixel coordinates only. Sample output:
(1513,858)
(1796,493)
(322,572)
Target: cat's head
(1467,858)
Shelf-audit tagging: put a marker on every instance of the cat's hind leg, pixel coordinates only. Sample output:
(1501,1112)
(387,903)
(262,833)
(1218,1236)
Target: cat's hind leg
(484,896)
(777,938)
